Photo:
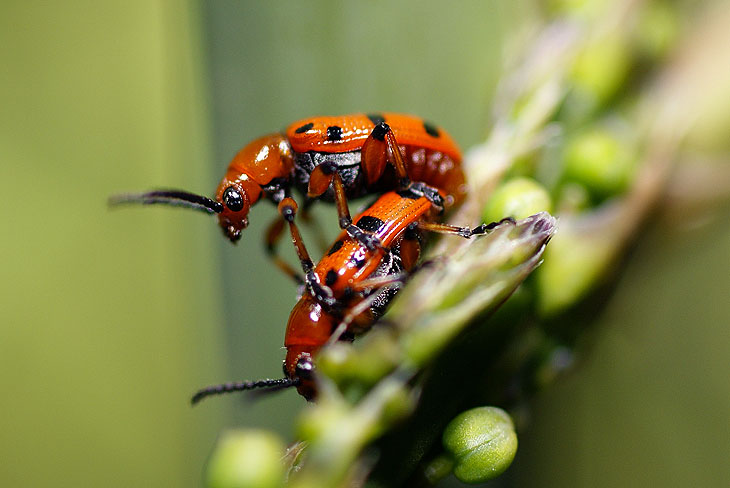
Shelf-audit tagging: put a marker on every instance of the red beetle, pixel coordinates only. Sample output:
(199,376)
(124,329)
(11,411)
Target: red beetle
(307,156)
(354,282)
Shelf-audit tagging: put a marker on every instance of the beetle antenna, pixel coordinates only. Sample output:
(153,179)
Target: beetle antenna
(177,198)
(272,385)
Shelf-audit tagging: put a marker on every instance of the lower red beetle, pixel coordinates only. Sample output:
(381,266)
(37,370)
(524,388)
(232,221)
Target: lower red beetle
(354,282)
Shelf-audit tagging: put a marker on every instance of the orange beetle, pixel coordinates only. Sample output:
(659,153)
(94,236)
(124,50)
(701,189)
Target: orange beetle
(356,147)
(354,282)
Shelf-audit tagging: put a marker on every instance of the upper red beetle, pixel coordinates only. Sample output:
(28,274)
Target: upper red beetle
(356,147)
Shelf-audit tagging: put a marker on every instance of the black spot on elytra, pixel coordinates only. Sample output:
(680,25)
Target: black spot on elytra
(335,247)
(369,223)
(376,118)
(411,232)
(431,129)
(358,262)
(331,277)
(304,128)
(408,193)
(334,133)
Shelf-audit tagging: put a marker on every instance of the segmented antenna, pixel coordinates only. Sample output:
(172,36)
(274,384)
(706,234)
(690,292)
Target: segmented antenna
(243,386)
(175,198)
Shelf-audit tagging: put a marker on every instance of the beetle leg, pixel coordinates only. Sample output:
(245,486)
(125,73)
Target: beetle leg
(410,247)
(275,231)
(288,210)
(273,237)
(378,282)
(380,147)
(384,283)
(465,232)
(320,180)
(345,220)
(343,212)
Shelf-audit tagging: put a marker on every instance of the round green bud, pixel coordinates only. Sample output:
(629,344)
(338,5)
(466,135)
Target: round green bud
(601,68)
(599,161)
(517,198)
(318,419)
(246,458)
(482,441)
(573,264)
(334,360)
(658,29)
(575,8)
(572,198)
(438,469)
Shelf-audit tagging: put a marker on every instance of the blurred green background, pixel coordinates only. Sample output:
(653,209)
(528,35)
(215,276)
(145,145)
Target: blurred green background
(111,319)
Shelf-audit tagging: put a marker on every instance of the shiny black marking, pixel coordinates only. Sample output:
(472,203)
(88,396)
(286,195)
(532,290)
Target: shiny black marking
(380,130)
(233,199)
(334,133)
(369,223)
(411,232)
(347,295)
(429,192)
(305,367)
(328,167)
(331,277)
(358,262)
(288,213)
(346,336)
(410,194)
(431,130)
(335,247)
(376,118)
(304,128)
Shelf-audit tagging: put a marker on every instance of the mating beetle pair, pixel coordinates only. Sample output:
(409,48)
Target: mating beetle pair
(333,159)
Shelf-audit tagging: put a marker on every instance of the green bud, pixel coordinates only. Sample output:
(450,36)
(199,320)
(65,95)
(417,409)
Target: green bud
(601,68)
(524,164)
(517,198)
(573,265)
(573,198)
(246,458)
(599,161)
(482,442)
(561,7)
(576,8)
(334,360)
(318,419)
(586,10)
(438,469)
(658,29)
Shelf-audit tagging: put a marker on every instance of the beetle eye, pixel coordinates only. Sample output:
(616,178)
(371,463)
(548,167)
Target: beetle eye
(305,367)
(233,199)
